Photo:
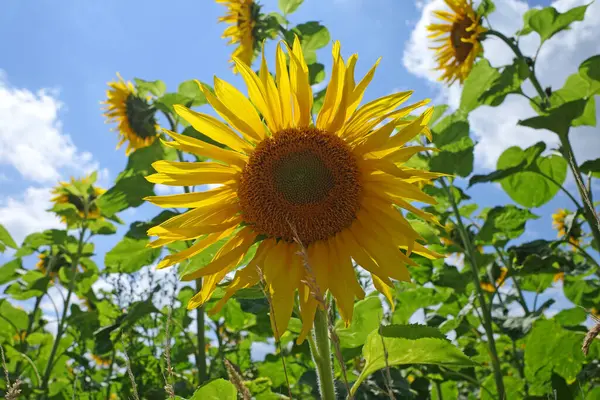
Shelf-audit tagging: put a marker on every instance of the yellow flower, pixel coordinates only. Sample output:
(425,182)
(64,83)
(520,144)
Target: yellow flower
(558,223)
(491,288)
(459,38)
(101,361)
(560,276)
(63,194)
(242,15)
(332,185)
(134,116)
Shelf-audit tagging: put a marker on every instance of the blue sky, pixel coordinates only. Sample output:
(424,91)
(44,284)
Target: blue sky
(74,48)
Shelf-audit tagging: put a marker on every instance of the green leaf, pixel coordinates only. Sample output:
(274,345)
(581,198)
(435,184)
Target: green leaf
(367,316)
(450,130)
(438,112)
(166,102)
(411,331)
(506,222)
(6,238)
(590,71)
(551,348)
(571,317)
(8,271)
(289,6)
(157,88)
(582,292)
(127,192)
(509,81)
(479,80)
(38,239)
(410,299)
(32,284)
(560,119)
(547,22)
(486,7)
(526,30)
(401,351)
(513,388)
(316,73)
(591,167)
(130,255)
(235,318)
(576,87)
(13,319)
(456,158)
(191,90)
(140,161)
(313,36)
(102,227)
(529,187)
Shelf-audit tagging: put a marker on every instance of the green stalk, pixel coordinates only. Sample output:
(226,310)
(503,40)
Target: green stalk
(588,208)
(322,356)
(201,340)
(200,354)
(61,325)
(486,320)
(589,213)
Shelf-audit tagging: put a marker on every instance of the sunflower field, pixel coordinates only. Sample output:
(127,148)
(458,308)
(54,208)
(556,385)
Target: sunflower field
(291,223)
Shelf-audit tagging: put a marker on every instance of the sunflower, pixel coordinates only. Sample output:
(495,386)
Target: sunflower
(63,194)
(460,43)
(133,113)
(499,280)
(45,262)
(329,189)
(574,232)
(243,17)
(101,361)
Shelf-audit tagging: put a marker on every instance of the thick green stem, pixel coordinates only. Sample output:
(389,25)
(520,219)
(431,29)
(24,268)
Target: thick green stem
(322,358)
(61,325)
(200,340)
(486,320)
(109,373)
(588,208)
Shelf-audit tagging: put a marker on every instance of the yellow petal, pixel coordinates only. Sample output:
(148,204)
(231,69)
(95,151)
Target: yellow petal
(271,95)
(192,200)
(190,173)
(257,92)
(300,85)
(228,257)
(333,112)
(358,92)
(213,128)
(288,102)
(308,308)
(195,249)
(204,149)
(236,109)
(383,289)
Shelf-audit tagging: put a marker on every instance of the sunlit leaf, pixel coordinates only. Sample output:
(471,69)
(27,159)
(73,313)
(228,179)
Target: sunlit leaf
(6,239)
(480,79)
(509,81)
(401,351)
(157,88)
(191,90)
(486,7)
(366,317)
(130,255)
(548,21)
(289,6)
(505,222)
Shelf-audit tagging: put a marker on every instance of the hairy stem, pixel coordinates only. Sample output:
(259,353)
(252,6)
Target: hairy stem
(486,317)
(322,358)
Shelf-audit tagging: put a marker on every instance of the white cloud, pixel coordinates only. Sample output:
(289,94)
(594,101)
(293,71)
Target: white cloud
(495,128)
(31,137)
(27,214)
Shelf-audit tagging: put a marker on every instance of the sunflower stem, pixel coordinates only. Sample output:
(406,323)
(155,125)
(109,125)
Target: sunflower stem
(200,340)
(486,314)
(61,324)
(322,356)
(589,213)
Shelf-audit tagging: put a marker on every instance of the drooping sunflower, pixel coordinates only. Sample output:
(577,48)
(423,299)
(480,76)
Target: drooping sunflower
(50,262)
(243,16)
(64,194)
(458,38)
(559,223)
(331,187)
(134,115)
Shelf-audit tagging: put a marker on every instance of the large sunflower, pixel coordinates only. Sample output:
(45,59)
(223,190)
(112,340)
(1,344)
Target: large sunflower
(287,183)
(459,37)
(64,194)
(243,16)
(135,117)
